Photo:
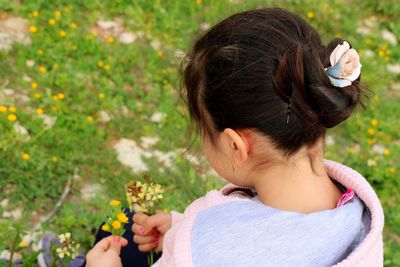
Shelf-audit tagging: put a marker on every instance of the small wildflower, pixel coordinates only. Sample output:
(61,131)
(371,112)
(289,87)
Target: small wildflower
(12,117)
(94,33)
(110,39)
(57,14)
(115,203)
(63,33)
(25,156)
(40,52)
(105,228)
(198,2)
(73,26)
(386,152)
(100,63)
(52,21)
(12,109)
(34,85)
(121,217)
(116,225)
(3,109)
(55,97)
(374,122)
(310,14)
(381,53)
(61,96)
(371,141)
(371,131)
(107,67)
(392,170)
(89,119)
(22,244)
(42,69)
(33,29)
(35,14)
(351,150)
(102,95)
(54,159)
(39,111)
(371,162)
(375,97)
(54,108)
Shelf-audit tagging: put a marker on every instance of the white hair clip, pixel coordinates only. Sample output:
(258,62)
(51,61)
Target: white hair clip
(345,65)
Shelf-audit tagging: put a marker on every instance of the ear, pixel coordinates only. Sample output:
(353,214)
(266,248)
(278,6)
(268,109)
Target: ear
(238,144)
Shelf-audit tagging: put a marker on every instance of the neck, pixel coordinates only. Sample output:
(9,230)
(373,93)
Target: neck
(300,184)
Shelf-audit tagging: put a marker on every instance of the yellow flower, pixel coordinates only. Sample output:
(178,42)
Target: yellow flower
(34,85)
(371,131)
(381,53)
(12,117)
(35,14)
(32,29)
(102,95)
(110,40)
(374,122)
(12,109)
(100,63)
(40,111)
(386,152)
(115,203)
(54,159)
(22,244)
(310,14)
(61,96)
(63,33)
(160,53)
(392,170)
(116,225)
(55,97)
(52,21)
(351,150)
(57,14)
(122,217)
(42,69)
(105,228)
(94,33)
(198,2)
(107,67)
(89,119)
(40,52)
(3,109)
(54,108)
(371,141)
(25,156)
(375,97)
(73,26)
(368,41)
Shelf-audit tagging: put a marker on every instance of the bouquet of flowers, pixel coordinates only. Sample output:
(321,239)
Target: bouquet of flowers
(116,219)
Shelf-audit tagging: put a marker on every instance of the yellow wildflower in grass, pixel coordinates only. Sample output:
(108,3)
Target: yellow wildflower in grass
(375,97)
(34,85)
(3,109)
(52,21)
(102,96)
(371,141)
(42,69)
(115,203)
(25,156)
(110,39)
(33,29)
(122,217)
(310,14)
(160,53)
(12,117)
(105,228)
(107,67)
(55,97)
(73,26)
(368,41)
(61,96)
(89,119)
(392,170)
(39,111)
(100,64)
(22,244)
(371,131)
(54,159)
(198,2)
(63,33)
(35,14)
(381,53)
(40,52)
(12,109)
(374,122)
(94,33)
(57,14)
(116,225)
(386,152)
(351,150)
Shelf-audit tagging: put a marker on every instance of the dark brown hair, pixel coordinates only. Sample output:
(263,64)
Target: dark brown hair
(245,70)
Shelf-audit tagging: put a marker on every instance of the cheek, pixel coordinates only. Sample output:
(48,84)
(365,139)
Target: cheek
(216,161)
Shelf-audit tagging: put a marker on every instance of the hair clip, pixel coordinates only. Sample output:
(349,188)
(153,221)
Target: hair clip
(289,109)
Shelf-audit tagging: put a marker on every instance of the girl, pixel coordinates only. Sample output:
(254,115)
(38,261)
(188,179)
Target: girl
(263,89)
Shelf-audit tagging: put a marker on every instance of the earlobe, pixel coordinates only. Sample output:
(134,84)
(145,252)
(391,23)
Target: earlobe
(239,144)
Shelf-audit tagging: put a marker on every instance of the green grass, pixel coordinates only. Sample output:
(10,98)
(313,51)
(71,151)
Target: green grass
(142,80)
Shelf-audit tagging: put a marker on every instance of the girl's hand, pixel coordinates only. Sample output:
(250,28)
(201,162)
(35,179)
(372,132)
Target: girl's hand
(150,230)
(106,252)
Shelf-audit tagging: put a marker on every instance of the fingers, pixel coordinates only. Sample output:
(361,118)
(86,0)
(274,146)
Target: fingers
(105,243)
(138,239)
(149,222)
(116,244)
(148,247)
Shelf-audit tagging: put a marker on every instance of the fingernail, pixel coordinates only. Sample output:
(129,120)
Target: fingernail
(116,239)
(141,231)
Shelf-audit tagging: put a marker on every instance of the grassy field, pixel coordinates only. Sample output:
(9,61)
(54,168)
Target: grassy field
(94,78)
